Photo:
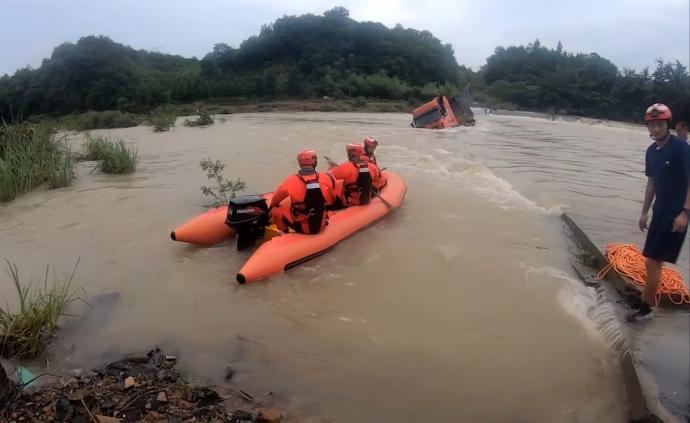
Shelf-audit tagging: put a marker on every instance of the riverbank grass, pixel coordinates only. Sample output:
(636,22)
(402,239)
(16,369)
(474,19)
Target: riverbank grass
(25,331)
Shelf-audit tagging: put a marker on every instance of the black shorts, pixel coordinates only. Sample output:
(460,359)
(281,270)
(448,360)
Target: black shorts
(661,243)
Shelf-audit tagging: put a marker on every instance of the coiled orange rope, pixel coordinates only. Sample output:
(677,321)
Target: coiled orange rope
(627,260)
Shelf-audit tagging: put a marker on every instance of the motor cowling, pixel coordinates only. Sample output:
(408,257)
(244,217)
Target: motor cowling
(248,217)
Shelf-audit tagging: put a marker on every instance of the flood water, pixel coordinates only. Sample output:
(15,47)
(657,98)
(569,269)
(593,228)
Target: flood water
(461,306)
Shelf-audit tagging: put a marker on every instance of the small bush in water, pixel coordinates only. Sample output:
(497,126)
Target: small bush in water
(214,172)
(24,332)
(162,119)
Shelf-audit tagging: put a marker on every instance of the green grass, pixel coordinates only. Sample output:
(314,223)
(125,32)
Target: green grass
(93,147)
(61,171)
(24,332)
(117,158)
(31,156)
(112,156)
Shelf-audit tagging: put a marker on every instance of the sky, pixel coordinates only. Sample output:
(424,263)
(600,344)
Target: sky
(630,33)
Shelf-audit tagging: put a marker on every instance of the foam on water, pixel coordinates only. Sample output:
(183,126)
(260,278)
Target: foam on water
(473,174)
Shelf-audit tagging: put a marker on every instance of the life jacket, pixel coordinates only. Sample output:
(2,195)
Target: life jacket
(310,213)
(359,192)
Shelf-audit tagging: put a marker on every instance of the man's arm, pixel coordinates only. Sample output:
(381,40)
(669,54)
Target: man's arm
(649,193)
(681,221)
(279,195)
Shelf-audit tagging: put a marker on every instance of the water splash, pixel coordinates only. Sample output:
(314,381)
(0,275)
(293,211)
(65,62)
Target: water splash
(590,306)
(474,176)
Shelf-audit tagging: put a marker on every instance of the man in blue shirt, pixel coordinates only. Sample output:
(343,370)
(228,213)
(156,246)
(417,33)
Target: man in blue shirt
(667,166)
(682,130)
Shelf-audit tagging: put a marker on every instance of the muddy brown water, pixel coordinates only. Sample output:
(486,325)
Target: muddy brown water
(460,306)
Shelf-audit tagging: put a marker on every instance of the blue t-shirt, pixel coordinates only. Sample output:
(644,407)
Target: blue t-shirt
(670,169)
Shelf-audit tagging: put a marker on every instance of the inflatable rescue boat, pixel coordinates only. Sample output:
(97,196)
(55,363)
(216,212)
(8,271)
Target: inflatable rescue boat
(282,251)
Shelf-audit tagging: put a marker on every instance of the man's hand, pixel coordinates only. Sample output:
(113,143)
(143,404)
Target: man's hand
(643,222)
(680,222)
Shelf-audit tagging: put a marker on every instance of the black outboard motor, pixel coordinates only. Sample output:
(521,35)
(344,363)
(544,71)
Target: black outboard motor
(248,217)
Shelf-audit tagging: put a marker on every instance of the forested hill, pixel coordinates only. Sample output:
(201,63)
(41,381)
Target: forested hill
(296,56)
(311,56)
(534,77)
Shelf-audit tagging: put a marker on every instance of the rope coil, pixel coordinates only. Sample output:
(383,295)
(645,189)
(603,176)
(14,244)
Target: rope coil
(627,260)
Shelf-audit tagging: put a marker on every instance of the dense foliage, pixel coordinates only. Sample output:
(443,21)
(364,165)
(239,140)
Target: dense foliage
(538,78)
(311,56)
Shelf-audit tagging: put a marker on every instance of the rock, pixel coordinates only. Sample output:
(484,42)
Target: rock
(48,410)
(170,358)
(80,394)
(130,382)
(77,373)
(156,417)
(106,419)
(156,357)
(63,409)
(162,397)
(137,358)
(268,415)
(5,387)
(189,395)
(229,372)
(239,415)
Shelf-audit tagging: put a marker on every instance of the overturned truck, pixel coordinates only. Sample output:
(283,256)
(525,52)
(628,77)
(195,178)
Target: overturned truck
(442,112)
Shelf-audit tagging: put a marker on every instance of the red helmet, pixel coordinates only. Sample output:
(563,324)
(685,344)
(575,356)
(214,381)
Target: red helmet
(370,144)
(306,158)
(354,149)
(657,111)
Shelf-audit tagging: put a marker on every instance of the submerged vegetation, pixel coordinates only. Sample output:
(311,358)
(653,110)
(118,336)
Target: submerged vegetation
(163,118)
(117,158)
(113,156)
(222,188)
(31,156)
(25,330)
(204,119)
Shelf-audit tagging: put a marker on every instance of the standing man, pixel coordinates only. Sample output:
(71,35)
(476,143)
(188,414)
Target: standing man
(667,169)
(682,130)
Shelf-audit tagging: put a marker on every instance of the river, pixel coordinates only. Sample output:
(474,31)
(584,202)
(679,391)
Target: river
(461,306)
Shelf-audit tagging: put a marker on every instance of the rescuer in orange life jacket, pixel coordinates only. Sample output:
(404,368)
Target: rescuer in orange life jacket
(370,144)
(311,194)
(359,176)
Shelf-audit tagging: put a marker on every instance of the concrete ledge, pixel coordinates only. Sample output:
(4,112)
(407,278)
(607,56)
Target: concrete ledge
(644,403)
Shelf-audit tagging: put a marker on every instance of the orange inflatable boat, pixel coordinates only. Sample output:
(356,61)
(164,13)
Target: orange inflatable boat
(285,251)
(208,228)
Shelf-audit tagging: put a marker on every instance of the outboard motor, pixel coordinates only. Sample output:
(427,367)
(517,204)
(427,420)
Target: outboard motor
(248,217)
